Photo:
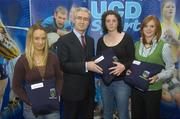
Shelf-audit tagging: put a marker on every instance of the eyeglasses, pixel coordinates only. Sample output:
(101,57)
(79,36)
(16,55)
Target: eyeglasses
(82,18)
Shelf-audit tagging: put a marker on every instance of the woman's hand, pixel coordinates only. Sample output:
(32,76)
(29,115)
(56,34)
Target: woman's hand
(153,79)
(117,69)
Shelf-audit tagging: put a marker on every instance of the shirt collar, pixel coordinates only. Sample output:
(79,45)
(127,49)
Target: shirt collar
(77,33)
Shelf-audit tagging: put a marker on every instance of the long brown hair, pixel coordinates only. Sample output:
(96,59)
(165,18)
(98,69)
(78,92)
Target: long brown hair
(158,30)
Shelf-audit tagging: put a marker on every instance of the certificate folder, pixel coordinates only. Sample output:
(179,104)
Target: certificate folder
(42,96)
(105,61)
(140,72)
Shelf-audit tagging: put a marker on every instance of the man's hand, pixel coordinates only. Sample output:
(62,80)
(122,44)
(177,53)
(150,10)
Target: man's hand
(92,66)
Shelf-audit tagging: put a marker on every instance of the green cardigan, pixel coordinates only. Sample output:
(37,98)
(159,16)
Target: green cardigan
(155,57)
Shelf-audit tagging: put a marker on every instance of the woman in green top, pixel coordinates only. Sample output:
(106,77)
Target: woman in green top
(146,105)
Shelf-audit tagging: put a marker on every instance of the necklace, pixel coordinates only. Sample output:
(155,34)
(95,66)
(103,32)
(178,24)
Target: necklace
(42,70)
(144,51)
(148,46)
(38,61)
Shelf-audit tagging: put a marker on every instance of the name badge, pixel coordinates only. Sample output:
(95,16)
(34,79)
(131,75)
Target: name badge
(37,85)
(136,62)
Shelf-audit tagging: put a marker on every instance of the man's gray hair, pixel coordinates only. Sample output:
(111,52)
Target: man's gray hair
(61,9)
(84,9)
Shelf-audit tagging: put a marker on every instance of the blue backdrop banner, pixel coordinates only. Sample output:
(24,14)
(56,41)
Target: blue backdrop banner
(17,15)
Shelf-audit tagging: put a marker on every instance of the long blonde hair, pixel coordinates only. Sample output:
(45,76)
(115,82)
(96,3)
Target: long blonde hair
(164,2)
(29,50)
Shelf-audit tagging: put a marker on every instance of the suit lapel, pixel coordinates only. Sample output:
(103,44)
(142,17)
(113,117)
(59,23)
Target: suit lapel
(76,43)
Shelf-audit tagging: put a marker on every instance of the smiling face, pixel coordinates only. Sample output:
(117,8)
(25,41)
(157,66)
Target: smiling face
(149,31)
(39,40)
(150,28)
(169,9)
(81,21)
(111,23)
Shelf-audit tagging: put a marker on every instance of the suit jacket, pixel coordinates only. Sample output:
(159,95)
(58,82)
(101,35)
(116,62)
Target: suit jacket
(78,84)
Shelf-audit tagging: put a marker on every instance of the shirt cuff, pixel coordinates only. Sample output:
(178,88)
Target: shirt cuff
(86,70)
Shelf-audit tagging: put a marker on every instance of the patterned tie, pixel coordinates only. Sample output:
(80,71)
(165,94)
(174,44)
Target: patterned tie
(83,41)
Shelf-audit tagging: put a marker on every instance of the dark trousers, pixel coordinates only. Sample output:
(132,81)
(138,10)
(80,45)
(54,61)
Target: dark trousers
(83,109)
(145,105)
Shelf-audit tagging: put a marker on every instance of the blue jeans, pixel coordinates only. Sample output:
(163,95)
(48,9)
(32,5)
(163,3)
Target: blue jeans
(27,113)
(118,93)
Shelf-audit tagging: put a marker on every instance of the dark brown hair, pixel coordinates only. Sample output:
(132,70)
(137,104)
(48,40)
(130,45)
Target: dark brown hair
(103,20)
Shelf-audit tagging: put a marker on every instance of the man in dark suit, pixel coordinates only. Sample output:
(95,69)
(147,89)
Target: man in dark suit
(76,51)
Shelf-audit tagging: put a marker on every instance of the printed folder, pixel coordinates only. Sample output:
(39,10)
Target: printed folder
(105,61)
(140,72)
(43,99)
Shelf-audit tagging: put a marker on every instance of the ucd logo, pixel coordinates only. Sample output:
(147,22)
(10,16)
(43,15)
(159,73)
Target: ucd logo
(52,93)
(145,74)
